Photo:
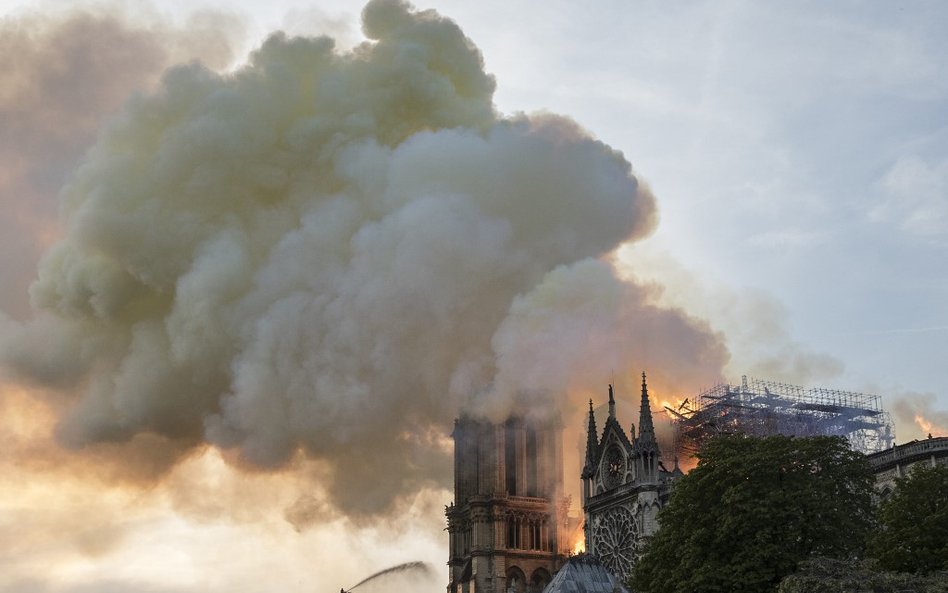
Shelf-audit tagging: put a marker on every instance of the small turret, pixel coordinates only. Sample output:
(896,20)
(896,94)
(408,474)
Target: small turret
(646,428)
(612,403)
(592,444)
(645,446)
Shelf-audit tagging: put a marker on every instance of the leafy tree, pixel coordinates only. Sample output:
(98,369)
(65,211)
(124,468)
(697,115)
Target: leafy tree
(913,523)
(752,509)
(824,575)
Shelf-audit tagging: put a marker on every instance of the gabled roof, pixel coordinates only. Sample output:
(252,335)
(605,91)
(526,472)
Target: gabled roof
(612,425)
(584,574)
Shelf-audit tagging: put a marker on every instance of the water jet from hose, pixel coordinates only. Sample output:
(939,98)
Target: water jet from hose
(420,567)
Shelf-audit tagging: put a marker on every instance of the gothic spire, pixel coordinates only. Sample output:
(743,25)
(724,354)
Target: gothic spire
(612,403)
(646,429)
(592,444)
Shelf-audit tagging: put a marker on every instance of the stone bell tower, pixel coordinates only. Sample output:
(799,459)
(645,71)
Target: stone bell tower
(508,524)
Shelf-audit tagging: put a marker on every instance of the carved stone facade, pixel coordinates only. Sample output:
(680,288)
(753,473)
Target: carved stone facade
(624,486)
(507,527)
(896,462)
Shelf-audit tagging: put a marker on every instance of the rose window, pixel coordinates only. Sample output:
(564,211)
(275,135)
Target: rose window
(614,537)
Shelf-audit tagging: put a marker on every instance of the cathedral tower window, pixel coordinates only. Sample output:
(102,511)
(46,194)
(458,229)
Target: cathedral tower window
(531,462)
(510,457)
(535,542)
(513,533)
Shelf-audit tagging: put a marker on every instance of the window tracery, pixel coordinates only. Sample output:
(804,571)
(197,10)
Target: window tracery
(614,536)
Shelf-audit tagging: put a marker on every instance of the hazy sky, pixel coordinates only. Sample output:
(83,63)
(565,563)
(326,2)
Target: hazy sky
(798,155)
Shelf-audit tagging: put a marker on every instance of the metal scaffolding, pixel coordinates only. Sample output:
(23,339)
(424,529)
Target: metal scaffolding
(762,408)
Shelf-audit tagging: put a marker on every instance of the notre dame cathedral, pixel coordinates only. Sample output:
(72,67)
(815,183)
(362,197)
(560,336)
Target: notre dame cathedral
(508,527)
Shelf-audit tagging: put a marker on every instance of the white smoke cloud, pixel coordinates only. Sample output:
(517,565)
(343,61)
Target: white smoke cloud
(582,326)
(333,252)
(62,77)
(755,323)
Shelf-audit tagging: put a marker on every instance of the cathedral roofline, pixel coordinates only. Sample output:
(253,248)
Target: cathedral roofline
(585,572)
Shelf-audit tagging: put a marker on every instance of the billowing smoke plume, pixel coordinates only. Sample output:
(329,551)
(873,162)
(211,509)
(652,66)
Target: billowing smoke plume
(335,252)
(61,77)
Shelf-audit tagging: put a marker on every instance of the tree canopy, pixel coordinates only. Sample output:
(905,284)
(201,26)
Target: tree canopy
(752,509)
(823,575)
(913,523)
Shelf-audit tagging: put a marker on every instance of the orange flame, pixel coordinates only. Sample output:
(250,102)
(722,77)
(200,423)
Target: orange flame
(579,545)
(675,404)
(930,427)
(687,463)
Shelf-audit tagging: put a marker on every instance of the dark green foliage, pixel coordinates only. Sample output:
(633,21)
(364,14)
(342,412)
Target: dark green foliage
(752,509)
(913,523)
(823,575)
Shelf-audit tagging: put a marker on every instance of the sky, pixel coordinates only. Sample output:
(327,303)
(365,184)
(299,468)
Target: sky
(795,157)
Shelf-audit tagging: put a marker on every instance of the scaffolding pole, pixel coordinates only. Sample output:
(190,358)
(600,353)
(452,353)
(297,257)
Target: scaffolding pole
(762,408)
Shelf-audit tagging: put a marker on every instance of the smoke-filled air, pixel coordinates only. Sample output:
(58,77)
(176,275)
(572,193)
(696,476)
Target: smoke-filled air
(333,253)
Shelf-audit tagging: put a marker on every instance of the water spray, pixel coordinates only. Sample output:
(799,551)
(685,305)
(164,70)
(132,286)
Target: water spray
(421,567)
